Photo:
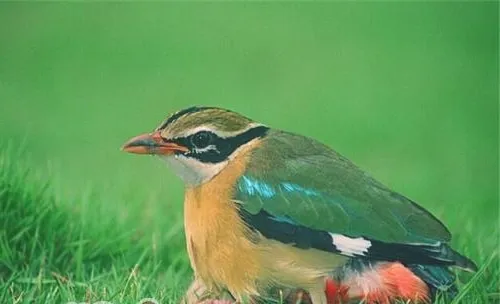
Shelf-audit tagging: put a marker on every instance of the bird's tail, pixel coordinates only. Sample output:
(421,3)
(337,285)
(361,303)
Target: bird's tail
(410,279)
(446,253)
(439,279)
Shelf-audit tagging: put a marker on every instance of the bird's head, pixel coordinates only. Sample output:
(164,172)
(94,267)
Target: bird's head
(198,142)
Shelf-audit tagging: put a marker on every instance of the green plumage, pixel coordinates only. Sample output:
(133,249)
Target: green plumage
(312,185)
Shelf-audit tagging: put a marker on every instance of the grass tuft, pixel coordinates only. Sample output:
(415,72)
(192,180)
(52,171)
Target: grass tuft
(56,252)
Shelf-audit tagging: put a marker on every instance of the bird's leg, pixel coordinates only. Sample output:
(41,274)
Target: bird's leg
(333,293)
(195,293)
(319,292)
(198,293)
(317,296)
(298,296)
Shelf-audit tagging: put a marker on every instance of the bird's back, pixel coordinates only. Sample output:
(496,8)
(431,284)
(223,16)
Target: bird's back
(346,198)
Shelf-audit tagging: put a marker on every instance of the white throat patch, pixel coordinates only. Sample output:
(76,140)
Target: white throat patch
(192,171)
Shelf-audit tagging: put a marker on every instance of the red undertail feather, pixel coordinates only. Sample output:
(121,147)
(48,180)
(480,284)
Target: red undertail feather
(382,284)
(406,284)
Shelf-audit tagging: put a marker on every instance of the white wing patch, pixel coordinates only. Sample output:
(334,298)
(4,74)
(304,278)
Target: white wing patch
(350,246)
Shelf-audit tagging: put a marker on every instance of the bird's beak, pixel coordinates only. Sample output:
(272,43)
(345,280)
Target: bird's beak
(152,143)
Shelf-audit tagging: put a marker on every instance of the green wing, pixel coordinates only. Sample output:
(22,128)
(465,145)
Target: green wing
(298,180)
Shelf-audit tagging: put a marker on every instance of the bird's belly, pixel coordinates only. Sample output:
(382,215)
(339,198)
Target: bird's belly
(289,266)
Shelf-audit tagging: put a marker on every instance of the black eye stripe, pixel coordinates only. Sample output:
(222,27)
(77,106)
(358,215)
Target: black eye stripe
(223,146)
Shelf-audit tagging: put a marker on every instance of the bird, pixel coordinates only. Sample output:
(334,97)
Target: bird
(266,209)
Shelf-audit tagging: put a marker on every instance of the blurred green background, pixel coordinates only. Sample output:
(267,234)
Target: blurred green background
(408,91)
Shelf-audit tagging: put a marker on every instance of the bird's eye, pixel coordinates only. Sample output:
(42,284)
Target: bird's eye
(201,139)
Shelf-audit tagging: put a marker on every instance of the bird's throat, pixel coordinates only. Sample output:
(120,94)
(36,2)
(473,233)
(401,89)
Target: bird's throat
(193,172)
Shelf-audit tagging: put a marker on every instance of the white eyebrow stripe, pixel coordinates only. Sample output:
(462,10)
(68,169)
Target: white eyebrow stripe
(207,148)
(219,133)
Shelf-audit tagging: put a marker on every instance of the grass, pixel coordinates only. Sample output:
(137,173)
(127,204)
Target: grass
(408,91)
(57,251)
